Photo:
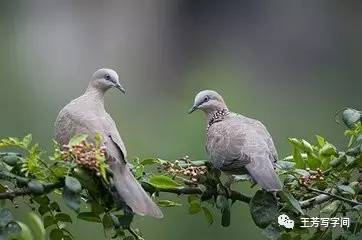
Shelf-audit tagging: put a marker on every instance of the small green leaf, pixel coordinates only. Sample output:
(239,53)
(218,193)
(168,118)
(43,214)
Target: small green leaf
(150,161)
(285,165)
(71,199)
(11,159)
(36,187)
(225,216)
(194,208)
(328,150)
(56,234)
(5,217)
(89,217)
(162,182)
(54,206)
(346,190)
(42,200)
(297,157)
(25,233)
(72,184)
(12,228)
(107,225)
(350,117)
(27,140)
(287,197)
(49,221)
(208,215)
(331,207)
(263,208)
(37,227)
(320,140)
(77,139)
(306,146)
(167,203)
(43,209)
(63,217)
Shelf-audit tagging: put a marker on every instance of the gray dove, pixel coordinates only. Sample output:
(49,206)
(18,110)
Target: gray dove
(238,144)
(87,115)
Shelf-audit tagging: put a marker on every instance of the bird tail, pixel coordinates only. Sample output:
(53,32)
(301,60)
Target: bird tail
(262,171)
(132,192)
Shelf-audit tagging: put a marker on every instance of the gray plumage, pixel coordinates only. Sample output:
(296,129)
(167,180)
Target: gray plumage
(237,144)
(87,115)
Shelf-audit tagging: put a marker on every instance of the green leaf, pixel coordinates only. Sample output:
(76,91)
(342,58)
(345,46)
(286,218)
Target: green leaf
(49,221)
(225,217)
(54,206)
(5,217)
(350,117)
(167,203)
(285,165)
(208,215)
(194,208)
(89,217)
(11,159)
(272,232)
(320,140)
(162,182)
(43,209)
(12,228)
(125,220)
(346,190)
(150,161)
(63,217)
(56,234)
(297,157)
(72,184)
(263,208)
(107,225)
(37,227)
(25,233)
(331,207)
(288,198)
(328,150)
(77,139)
(36,187)
(71,199)
(306,146)
(42,200)
(27,140)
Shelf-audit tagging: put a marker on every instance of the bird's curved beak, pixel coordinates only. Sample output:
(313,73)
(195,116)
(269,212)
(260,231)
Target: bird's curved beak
(191,110)
(121,88)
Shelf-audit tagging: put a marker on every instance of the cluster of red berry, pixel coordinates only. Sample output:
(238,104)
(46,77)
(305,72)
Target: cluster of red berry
(312,177)
(190,171)
(85,154)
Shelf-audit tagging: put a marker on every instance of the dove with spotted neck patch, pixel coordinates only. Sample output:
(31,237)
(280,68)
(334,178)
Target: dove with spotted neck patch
(237,144)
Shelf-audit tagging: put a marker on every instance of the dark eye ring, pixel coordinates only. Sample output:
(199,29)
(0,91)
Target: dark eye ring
(107,77)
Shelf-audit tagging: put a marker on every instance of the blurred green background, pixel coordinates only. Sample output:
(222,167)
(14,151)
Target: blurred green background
(289,64)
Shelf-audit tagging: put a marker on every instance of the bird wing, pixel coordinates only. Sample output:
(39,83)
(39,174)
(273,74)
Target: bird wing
(224,146)
(236,144)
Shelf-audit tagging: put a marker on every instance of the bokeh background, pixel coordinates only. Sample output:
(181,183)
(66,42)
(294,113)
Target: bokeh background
(291,64)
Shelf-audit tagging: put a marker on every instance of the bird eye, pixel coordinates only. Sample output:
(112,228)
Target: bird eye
(107,77)
(206,99)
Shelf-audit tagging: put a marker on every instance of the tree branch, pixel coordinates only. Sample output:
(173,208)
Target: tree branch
(235,196)
(352,202)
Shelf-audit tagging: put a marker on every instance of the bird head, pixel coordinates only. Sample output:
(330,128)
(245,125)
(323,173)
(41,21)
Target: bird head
(208,101)
(105,79)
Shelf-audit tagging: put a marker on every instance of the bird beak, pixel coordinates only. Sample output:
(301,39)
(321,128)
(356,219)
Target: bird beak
(192,109)
(120,88)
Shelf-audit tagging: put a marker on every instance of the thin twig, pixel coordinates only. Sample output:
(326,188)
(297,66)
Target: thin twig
(352,202)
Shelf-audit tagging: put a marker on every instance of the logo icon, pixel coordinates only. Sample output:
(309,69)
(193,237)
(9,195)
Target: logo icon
(285,221)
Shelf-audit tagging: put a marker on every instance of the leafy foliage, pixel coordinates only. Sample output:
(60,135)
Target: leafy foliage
(315,176)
